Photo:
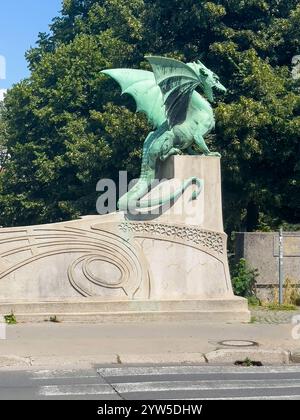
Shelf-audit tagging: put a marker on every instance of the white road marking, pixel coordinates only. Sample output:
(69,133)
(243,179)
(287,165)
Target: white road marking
(217,384)
(85,389)
(122,388)
(61,374)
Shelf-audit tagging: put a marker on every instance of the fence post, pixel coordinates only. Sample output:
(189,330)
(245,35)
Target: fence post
(281,281)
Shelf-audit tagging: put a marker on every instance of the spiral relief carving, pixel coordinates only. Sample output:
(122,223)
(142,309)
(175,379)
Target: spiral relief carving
(102,260)
(121,258)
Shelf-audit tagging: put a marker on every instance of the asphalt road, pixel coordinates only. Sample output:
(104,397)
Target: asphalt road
(153,382)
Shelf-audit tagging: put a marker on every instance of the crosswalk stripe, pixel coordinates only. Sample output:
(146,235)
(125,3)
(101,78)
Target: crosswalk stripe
(204,385)
(133,380)
(179,370)
(61,374)
(85,389)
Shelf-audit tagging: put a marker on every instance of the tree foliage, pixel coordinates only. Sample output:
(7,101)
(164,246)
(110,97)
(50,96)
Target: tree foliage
(3,136)
(67,126)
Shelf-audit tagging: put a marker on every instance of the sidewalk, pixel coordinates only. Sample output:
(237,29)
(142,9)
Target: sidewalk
(265,316)
(82,345)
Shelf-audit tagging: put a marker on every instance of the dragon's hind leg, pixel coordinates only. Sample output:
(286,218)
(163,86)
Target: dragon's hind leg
(167,147)
(163,147)
(173,151)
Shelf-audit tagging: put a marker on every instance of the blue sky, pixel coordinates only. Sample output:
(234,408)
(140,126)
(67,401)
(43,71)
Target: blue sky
(20,23)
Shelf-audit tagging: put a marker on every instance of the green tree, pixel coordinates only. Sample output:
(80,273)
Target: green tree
(251,45)
(67,126)
(63,134)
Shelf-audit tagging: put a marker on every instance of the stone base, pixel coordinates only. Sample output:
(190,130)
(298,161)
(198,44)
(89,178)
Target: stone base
(210,310)
(111,258)
(120,267)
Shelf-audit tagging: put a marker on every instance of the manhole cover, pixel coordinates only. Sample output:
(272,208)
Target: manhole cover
(238,343)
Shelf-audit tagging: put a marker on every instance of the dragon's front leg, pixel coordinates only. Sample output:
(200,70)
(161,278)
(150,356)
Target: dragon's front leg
(200,143)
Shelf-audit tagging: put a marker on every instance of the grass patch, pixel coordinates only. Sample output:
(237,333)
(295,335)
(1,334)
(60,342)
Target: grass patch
(54,319)
(253,301)
(253,320)
(277,307)
(10,319)
(247,363)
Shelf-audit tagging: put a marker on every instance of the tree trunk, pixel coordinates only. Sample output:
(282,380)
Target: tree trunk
(252,217)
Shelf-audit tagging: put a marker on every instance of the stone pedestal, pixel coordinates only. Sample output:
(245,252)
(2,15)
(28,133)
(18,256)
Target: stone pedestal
(168,266)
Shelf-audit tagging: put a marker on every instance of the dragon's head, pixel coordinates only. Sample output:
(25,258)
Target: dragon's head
(209,80)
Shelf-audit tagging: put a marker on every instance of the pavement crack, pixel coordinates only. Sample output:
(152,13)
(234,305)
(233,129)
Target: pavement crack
(112,386)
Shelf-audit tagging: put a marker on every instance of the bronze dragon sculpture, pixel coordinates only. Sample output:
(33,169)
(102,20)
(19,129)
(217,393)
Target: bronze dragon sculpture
(180,115)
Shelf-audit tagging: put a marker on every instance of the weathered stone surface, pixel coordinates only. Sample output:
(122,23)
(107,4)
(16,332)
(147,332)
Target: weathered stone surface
(206,211)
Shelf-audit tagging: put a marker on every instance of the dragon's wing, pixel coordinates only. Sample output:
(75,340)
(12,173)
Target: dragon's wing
(177,82)
(142,86)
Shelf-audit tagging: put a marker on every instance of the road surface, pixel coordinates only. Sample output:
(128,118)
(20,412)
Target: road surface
(153,382)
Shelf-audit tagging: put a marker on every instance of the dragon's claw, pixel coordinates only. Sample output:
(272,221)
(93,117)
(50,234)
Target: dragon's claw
(172,152)
(214,154)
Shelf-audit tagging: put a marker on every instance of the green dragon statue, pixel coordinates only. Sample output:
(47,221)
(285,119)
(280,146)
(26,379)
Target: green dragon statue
(180,115)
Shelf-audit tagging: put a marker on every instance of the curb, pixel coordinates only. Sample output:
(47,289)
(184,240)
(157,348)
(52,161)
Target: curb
(167,358)
(266,357)
(14,362)
(62,362)
(295,356)
(216,357)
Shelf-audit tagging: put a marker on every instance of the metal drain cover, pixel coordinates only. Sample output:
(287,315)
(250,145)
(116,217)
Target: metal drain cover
(238,343)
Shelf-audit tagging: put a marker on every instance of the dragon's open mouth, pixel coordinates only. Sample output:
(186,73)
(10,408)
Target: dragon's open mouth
(220,88)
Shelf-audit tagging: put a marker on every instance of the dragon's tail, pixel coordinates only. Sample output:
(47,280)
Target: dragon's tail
(132,203)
